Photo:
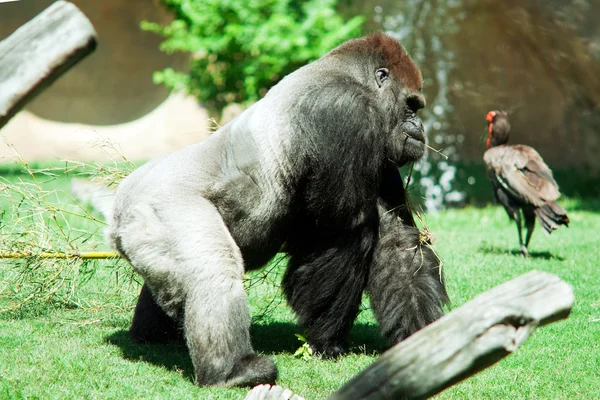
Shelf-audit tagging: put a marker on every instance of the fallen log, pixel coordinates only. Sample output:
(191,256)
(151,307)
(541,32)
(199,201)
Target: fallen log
(465,341)
(458,345)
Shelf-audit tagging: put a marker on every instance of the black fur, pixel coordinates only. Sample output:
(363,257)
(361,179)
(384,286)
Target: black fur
(151,324)
(405,281)
(253,370)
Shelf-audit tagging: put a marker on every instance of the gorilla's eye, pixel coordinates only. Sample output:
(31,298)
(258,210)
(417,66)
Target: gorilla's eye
(382,74)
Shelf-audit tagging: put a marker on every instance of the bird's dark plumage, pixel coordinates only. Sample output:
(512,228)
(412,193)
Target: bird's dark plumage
(522,181)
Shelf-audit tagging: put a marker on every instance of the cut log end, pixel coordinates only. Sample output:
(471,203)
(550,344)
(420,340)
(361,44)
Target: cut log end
(268,392)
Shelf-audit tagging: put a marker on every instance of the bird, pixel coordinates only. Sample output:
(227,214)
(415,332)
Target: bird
(521,180)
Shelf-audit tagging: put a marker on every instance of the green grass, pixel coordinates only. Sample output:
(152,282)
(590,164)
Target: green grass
(81,349)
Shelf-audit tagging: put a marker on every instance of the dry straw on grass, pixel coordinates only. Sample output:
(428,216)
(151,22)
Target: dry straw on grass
(426,237)
(51,243)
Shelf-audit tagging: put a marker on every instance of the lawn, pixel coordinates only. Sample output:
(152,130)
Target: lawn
(81,349)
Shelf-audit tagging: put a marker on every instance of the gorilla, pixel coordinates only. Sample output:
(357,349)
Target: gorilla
(312,167)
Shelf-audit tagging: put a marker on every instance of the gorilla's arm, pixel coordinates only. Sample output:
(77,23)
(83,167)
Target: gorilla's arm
(324,287)
(405,284)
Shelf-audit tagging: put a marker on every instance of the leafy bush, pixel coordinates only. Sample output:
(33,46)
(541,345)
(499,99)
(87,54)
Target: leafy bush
(239,49)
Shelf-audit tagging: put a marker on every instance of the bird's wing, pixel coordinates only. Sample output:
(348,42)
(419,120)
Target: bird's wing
(522,172)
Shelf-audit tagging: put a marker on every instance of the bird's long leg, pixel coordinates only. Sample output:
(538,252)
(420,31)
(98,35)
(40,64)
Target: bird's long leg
(517,217)
(529,224)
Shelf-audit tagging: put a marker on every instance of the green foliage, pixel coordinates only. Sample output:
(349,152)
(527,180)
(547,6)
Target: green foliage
(239,49)
(304,352)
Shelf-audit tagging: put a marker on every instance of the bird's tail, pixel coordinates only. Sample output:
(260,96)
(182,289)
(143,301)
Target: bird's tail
(551,216)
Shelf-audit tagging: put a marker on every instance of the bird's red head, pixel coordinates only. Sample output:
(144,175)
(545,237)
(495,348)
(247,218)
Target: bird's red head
(490,119)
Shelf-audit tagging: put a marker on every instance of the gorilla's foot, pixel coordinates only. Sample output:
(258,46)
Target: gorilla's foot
(253,370)
(330,350)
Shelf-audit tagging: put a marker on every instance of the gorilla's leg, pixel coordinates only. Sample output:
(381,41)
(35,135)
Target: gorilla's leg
(151,324)
(194,270)
(405,285)
(325,290)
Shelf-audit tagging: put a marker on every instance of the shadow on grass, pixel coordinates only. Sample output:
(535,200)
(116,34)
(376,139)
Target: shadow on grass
(278,337)
(366,339)
(545,255)
(172,356)
(269,339)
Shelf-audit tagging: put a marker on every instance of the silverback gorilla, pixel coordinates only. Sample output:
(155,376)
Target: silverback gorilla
(314,166)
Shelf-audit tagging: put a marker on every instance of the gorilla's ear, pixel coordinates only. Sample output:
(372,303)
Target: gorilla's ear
(394,195)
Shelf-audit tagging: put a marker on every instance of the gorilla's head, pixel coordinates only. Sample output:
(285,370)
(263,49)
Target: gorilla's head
(380,63)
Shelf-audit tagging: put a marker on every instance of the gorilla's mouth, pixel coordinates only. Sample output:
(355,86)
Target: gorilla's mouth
(413,147)
(415,135)
(413,129)
(414,144)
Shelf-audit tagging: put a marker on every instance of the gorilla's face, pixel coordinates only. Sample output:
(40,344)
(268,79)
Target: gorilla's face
(406,142)
(387,70)
(408,136)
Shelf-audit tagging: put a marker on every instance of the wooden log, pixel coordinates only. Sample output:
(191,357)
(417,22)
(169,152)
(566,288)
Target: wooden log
(465,341)
(39,52)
